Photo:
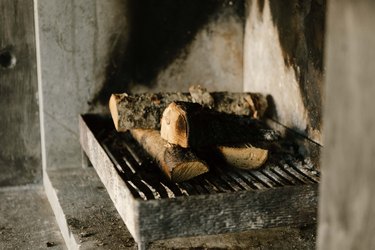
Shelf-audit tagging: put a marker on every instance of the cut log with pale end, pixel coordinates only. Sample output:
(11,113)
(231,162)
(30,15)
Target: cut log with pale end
(177,163)
(141,110)
(145,110)
(243,157)
(192,125)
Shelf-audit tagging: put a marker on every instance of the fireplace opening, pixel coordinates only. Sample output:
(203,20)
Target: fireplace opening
(271,52)
(137,48)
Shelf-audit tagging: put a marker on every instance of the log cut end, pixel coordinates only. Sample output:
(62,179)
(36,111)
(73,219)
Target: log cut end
(244,158)
(188,170)
(174,127)
(183,164)
(113,101)
(178,164)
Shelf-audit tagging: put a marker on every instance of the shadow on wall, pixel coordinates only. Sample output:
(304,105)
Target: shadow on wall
(159,32)
(301,28)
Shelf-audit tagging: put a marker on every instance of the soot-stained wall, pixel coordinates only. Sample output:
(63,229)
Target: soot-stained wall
(171,44)
(283,57)
(90,49)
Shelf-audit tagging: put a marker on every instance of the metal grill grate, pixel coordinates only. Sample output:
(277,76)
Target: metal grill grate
(145,180)
(282,193)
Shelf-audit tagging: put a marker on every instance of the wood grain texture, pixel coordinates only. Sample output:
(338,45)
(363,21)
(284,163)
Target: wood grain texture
(20,155)
(347,215)
(222,213)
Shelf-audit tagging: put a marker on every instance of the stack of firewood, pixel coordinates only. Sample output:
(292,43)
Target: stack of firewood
(176,127)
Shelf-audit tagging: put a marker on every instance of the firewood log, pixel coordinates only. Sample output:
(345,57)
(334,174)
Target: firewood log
(243,157)
(177,163)
(145,110)
(248,104)
(192,125)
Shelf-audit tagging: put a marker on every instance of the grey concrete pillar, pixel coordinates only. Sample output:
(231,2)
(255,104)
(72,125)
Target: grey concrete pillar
(347,201)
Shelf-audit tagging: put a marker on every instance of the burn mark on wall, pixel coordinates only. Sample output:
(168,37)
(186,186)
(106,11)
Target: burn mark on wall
(301,28)
(158,33)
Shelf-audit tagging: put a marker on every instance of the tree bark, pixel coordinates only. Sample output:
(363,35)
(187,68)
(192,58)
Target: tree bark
(177,163)
(145,110)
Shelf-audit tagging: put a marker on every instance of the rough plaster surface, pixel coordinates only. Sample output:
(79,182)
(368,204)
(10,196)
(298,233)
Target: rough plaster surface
(75,43)
(281,61)
(346,212)
(27,221)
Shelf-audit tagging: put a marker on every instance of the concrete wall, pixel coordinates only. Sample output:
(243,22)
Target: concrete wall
(283,57)
(76,38)
(20,154)
(92,48)
(347,201)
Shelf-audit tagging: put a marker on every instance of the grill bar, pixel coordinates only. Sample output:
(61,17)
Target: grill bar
(296,174)
(251,180)
(275,179)
(286,175)
(228,179)
(302,169)
(222,188)
(264,179)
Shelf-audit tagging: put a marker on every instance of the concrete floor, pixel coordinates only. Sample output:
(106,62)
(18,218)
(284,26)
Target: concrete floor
(27,221)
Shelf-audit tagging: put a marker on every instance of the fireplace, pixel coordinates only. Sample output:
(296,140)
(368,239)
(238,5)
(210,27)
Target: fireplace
(232,45)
